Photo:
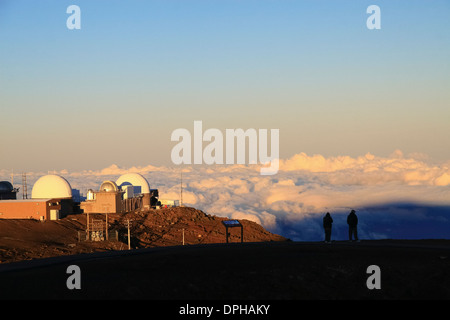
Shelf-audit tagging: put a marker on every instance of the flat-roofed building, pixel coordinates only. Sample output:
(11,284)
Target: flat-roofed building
(51,199)
(107,200)
(39,209)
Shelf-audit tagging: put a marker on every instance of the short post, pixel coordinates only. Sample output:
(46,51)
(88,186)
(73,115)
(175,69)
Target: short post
(242,234)
(106,226)
(226,232)
(87,224)
(129,243)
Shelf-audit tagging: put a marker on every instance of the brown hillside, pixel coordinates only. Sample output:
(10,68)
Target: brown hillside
(31,239)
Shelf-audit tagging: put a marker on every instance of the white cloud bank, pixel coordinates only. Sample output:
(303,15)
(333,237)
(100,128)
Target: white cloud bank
(395,197)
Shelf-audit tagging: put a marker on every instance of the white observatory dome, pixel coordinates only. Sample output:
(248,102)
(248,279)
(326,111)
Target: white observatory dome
(51,186)
(136,180)
(109,186)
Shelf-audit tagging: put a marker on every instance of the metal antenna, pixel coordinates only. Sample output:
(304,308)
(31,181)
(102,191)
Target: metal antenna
(24,186)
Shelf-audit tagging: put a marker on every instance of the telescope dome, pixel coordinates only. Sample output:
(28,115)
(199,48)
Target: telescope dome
(51,186)
(136,180)
(108,186)
(6,186)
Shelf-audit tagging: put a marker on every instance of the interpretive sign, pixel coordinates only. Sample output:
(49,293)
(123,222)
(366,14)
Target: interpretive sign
(231,224)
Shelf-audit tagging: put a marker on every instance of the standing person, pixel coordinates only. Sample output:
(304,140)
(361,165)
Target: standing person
(352,221)
(327,223)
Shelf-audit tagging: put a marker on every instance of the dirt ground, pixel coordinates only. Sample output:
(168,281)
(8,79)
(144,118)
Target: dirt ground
(32,239)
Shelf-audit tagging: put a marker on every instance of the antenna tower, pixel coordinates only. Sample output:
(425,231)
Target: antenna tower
(24,186)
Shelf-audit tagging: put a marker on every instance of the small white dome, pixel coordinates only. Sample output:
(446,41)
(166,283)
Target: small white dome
(51,186)
(109,186)
(136,180)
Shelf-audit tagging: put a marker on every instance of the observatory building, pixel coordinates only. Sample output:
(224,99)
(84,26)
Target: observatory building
(139,184)
(7,191)
(51,199)
(107,199)
(129,193)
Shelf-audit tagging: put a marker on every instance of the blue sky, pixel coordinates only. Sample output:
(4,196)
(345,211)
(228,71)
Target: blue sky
(114,91)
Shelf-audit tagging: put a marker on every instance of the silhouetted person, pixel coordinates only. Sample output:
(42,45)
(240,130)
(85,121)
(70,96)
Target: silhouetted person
(352,221)
(327,223)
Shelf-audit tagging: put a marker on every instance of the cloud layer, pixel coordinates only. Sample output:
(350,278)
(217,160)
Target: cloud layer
(395,197)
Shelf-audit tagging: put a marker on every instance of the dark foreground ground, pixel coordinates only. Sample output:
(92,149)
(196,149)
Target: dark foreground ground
(241,272)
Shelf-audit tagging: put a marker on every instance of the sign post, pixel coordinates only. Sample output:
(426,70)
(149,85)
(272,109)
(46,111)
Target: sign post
(231,224)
